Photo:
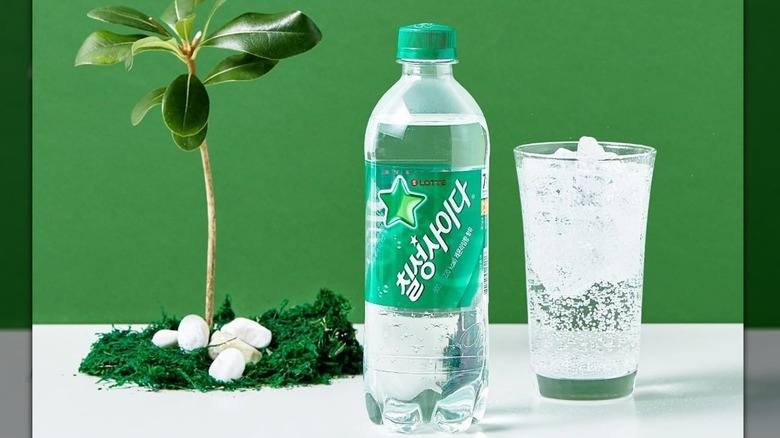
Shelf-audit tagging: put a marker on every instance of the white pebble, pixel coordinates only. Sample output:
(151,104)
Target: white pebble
(229,365)
(165,338)
(249,331)
(193,333)
(221,341)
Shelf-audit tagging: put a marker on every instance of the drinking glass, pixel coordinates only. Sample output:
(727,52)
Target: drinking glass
(584,222)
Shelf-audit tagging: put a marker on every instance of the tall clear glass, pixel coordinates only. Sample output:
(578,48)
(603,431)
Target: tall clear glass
(584,223)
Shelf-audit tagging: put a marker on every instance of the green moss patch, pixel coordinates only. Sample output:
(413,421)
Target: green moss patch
(312,344)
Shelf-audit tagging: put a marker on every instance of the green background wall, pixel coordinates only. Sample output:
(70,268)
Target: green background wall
(15,171)
(119,223)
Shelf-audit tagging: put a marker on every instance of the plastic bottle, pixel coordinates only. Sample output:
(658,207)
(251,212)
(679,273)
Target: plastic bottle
(426,152)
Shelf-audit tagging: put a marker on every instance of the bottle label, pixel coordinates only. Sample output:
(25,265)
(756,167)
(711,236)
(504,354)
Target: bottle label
(426,228)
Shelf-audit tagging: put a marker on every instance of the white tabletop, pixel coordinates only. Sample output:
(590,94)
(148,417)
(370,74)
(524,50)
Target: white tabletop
(690,383)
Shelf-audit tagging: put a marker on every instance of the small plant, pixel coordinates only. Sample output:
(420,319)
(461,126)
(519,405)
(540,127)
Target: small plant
(261,39)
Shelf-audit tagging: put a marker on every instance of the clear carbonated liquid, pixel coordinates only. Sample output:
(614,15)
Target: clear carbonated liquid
(584,232)
(594,335)
(427,365)
(458,140)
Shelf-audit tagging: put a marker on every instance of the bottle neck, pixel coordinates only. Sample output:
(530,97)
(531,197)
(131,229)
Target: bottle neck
(418,69)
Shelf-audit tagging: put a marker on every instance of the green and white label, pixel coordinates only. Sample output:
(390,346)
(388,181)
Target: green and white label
(426,229)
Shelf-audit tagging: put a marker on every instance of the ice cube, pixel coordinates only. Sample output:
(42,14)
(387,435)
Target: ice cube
(588,147)
(564,153)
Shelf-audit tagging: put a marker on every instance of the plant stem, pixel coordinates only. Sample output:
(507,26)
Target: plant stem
(211,251)
(212,241)
(190,64)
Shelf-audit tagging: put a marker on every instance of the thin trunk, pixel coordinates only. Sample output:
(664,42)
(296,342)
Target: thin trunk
(212,242)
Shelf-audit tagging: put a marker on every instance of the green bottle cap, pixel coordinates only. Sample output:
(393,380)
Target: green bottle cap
(426,41)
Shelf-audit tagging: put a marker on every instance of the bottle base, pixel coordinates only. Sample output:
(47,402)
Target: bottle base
(584,390)
(454,413)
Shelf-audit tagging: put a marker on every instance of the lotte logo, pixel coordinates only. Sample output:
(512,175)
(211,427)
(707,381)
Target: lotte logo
(429,182)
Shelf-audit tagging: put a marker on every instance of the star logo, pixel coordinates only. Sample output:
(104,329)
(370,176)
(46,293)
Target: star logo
(400,203)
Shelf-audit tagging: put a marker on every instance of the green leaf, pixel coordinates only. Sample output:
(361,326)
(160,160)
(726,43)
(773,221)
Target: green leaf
(272,36)
(149,101)
(105,48)
(169,17)
(214,8)
(184,27)
(185,105)
(185,8)
(241,67)
(125,16)
(192,142)
(178,11)
(153,43)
